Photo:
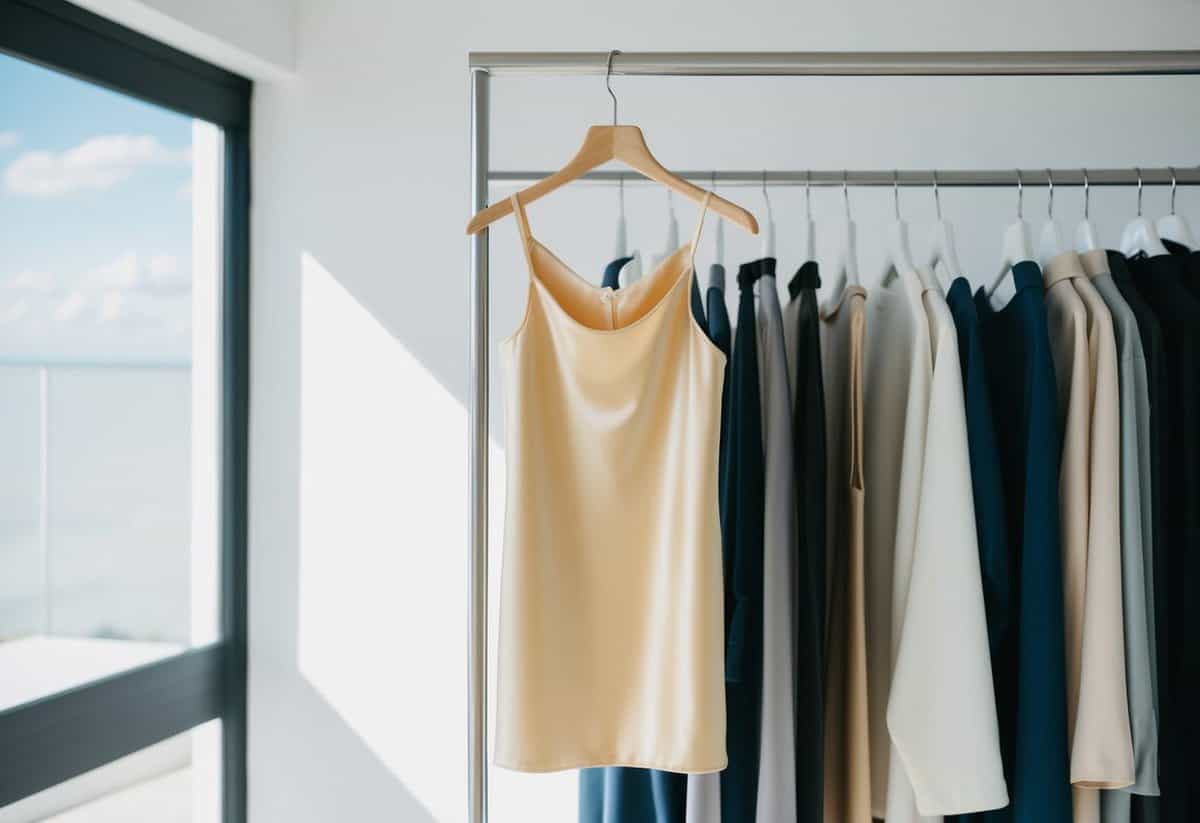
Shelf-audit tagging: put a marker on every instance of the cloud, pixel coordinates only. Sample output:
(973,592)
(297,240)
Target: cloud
(97,163)
(8,139)
(33,281)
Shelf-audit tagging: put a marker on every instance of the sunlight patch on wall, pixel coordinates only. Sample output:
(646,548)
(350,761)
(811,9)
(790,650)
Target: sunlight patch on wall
(383,528)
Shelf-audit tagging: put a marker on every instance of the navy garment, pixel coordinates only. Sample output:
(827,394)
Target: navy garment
(612,273)
(1145,809)
(622,794)
(1172,289)
(1032,679)
(990,512)
(720,332)
(742,539)
(808,439)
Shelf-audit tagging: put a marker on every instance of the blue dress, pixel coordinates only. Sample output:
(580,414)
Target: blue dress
(1032,676)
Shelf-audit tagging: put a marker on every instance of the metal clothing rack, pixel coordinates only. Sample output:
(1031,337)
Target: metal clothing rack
(484,65)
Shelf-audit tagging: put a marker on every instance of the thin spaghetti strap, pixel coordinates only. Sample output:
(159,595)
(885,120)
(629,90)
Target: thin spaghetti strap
(523,229)
(699,226)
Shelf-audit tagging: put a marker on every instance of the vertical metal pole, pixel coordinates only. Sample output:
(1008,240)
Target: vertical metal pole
(477,558)
(44,498)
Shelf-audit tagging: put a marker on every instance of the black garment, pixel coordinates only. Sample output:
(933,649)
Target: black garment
(988,494)
(808,443)
(1171,286)
(1145,809)
(742,539)
(1032,677)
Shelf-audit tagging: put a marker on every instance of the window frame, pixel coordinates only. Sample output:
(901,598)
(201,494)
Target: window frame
(63,735)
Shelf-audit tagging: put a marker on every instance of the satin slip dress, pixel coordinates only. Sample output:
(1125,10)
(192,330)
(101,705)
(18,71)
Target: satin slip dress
(611,635)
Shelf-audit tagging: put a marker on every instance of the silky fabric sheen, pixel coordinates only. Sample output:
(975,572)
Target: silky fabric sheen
(611,627)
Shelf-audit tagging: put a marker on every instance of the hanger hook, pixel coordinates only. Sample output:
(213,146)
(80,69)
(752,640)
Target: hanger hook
(1173,182)
(1050,198)
(1139,185)
(766,197)
(1020,196)
(608,81)
(896,192)
(1087,195)
(845,195)
(937,198)
(714,180)
(808,192)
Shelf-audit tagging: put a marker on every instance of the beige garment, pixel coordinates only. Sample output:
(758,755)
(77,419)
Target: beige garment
(847,748)
(611,646)
(1085,360)
(941,711)
(892,355)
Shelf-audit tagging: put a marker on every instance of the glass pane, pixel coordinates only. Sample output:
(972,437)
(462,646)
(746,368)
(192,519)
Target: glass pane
(175,781)
(109,381)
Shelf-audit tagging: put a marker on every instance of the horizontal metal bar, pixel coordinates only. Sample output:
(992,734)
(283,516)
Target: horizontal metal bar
(1184,176)
(834,64)
(63,735)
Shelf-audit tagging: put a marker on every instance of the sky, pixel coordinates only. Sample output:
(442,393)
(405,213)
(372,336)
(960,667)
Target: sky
(95,223)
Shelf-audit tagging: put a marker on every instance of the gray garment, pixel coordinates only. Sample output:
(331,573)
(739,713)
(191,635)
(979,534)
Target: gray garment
(777,760)
(1137,593)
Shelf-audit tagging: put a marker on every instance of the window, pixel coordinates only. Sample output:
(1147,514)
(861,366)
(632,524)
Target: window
(123,365)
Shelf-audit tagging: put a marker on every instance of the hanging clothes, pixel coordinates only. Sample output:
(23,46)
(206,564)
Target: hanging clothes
(1167,286)
(1081,334)
(1152,422)
(1136,541)
(742,534)
(847,751)
(890,357)
(1188,649)
(777,743)
(1102,751)
(941,710)
(704,790)
(620,794)
(1023,391)
(802,330)
(653,661)
(990,516)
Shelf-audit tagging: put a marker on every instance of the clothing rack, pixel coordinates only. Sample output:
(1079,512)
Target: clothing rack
(483,65)
(950,178)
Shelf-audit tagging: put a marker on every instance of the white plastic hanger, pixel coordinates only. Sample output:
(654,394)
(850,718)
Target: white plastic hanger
(1140,236)
(897,259)
(768,241)
(1085,232)
(672,233)
(941,248)
(807,244)
(1174,226)
(1015,248)
(719,236)
(845,256)
(1050,245)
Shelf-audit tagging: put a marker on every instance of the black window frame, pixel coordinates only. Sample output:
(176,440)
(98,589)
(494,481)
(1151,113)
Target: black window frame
(63,735)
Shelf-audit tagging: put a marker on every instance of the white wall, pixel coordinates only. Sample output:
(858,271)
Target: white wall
(253,38)
(358,488)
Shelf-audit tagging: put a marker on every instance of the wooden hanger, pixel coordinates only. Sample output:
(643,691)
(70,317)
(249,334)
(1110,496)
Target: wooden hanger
(600,145)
